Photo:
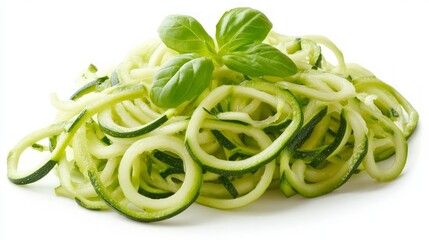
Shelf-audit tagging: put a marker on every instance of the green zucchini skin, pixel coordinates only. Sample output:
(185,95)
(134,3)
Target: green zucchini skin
(36,175)
(293,173)
(134,132)
(147,214)
(38,172)
(269,150)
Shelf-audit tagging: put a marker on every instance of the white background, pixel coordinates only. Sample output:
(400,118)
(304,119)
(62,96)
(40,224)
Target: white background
(45,44)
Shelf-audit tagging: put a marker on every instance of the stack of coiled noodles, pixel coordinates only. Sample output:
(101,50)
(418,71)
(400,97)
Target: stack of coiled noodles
(111,147)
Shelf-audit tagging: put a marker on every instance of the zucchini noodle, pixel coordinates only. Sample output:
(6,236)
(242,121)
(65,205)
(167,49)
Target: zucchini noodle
(307,134)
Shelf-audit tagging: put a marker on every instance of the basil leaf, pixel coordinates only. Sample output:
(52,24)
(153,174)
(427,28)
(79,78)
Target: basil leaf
(241,26)
(181,78)
(260,60)
(185,34)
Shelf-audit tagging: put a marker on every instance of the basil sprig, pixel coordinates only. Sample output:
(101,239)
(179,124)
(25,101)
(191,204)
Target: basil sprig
(239,36)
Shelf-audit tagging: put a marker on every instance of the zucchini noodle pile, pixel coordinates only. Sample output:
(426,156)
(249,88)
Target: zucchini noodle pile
(306,134)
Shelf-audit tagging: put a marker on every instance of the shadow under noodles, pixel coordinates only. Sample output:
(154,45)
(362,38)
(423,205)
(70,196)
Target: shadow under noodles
(273,202)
